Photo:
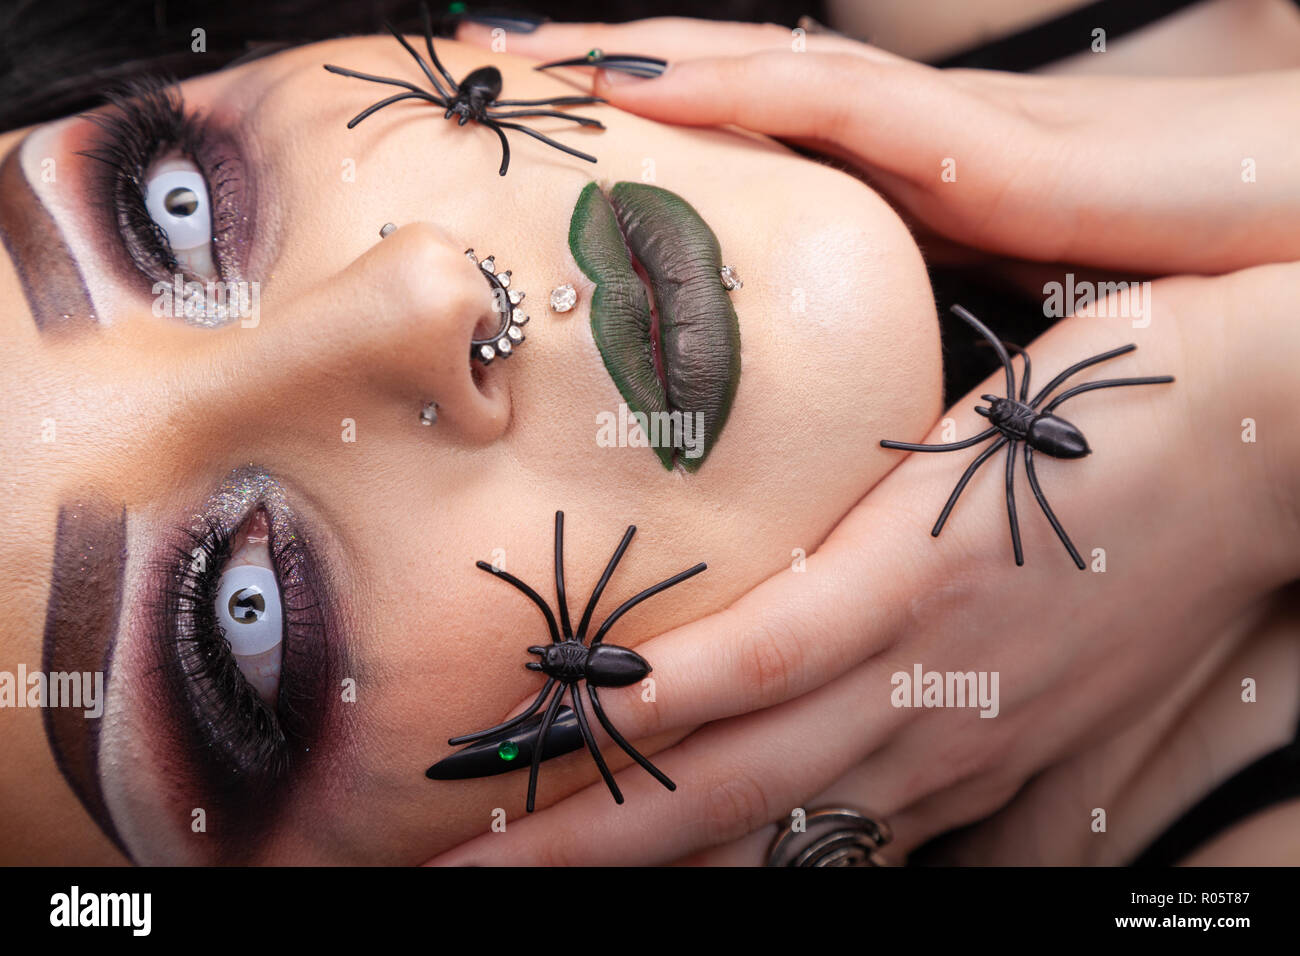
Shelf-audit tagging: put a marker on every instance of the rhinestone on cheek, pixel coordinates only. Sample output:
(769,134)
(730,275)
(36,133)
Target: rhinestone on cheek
(563,298)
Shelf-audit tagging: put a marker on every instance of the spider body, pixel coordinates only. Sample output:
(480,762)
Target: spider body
(474,98)
(605,665)
(569,659)
(1017,420)
(1045,432)
(478,91)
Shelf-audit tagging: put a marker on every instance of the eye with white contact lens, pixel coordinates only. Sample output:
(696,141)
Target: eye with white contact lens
(249,611)
(176,197)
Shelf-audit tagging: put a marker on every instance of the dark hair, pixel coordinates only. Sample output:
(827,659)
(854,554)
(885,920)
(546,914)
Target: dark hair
(58,57)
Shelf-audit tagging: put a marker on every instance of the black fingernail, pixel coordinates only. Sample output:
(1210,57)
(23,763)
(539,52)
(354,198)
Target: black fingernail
(630,63)
(510,22)
(511,749)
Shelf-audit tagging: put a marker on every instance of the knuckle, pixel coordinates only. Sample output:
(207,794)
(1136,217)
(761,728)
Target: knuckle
(769,659)
(557,850)
(735,806)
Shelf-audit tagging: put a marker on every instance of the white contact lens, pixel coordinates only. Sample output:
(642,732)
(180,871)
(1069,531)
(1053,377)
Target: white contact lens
(248,609)
(176,197)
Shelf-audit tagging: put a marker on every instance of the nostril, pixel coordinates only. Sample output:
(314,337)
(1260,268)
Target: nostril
(488,325)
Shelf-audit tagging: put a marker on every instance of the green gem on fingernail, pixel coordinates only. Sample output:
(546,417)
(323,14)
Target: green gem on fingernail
(455,8)
(508,750)
(595,54)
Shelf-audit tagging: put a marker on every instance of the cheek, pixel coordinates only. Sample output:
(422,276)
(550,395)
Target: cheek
(840,348)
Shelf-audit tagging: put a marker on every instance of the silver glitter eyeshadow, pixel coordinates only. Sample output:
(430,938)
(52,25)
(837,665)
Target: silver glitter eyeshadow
(239,493)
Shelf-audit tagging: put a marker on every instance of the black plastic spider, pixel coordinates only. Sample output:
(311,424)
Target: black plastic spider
(1021,422)
(474,98)
(569,660)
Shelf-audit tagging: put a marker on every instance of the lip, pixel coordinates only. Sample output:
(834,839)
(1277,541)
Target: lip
(681,352)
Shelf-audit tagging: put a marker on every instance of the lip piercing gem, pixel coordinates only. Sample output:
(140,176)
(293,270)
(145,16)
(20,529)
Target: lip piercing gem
(563,298)
(509,333)
(730,280)
(429,414)
(387,230)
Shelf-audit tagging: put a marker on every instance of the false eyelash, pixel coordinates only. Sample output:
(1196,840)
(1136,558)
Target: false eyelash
(145,119)
(250,737)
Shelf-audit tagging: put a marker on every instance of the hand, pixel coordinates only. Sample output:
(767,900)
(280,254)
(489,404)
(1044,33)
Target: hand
(793,682)
(1139,174)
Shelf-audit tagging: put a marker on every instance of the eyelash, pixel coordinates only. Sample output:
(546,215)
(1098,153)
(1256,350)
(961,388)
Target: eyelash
(147,119)
(252,741)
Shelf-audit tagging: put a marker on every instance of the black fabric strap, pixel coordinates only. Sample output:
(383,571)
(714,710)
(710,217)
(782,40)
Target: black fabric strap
(1065,35)
(1273,778)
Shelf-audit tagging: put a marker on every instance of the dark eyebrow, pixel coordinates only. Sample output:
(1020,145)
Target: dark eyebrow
(53,284)
(81,618)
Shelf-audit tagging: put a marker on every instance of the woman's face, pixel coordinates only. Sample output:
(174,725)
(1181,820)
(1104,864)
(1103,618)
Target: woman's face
(144,450)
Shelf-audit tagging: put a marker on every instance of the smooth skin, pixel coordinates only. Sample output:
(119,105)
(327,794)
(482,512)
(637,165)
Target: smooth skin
(1198,526)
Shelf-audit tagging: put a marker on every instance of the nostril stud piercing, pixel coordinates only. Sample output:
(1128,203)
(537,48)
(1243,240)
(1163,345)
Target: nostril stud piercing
(387,230)
(563,298)
(429,414)
(509,334)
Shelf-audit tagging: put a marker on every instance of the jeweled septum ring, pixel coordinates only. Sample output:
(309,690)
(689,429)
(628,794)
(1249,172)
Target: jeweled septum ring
(510,333)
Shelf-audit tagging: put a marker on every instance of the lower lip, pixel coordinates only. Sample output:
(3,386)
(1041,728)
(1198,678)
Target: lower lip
(677,348)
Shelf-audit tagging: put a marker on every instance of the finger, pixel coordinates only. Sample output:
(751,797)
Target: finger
(669,38)
(868,108)
(732,779)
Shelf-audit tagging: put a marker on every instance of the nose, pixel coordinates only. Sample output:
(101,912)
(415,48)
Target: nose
(388,334)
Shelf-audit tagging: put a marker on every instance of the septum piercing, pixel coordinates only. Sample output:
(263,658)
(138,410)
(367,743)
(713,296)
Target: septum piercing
(510,332)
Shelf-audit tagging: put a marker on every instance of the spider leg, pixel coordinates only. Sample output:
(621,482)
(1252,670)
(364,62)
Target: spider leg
(647,593)
(386,102)
(559,576)
(428,43)
(961,483)
(591,744)
(541,745)
(994,341)
(1011,504)
(556,101)
(627,747)
(1024,377)
(424,67)
(951,446)
(604,579)
(1079,367)
(518,719)
(1047,510)
(533,595)
(344,71)
(547,140)
(1106,383)
(581,120)
(505,146)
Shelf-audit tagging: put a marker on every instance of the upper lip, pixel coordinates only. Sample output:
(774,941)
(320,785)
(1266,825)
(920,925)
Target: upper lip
(681,352)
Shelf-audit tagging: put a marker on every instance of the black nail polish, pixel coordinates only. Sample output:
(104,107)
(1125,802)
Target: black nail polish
(511,749)
(645,67)
(510,22)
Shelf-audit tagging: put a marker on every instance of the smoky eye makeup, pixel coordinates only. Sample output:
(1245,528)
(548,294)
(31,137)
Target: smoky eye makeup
(171,187)
(245,652)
